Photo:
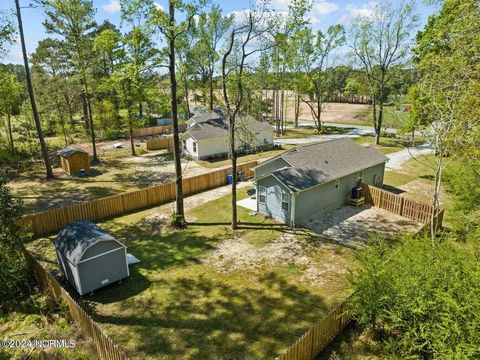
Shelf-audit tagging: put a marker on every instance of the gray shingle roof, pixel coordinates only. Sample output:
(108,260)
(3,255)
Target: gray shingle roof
(70,150)
(322,162)
(213,125)
(76,237)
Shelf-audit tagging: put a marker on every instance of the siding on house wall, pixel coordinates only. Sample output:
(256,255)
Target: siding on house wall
(273,204)
(220,146)
(326,197)
(112,266)
(269,167)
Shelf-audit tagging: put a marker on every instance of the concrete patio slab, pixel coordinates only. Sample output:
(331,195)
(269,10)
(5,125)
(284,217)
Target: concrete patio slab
(248,203)
(353,226)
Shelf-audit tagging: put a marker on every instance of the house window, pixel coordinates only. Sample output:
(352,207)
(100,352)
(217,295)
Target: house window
(375,179)
(184,145)
(194,146)
(360,176)
(262,194)
(337,183)
(285,201)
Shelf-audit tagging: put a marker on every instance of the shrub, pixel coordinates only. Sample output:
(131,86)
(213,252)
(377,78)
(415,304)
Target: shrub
(13,267)
(421,300)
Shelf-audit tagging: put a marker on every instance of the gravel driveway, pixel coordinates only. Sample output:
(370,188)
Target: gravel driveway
(352,226)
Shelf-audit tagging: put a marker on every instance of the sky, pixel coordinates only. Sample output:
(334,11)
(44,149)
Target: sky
(324,14)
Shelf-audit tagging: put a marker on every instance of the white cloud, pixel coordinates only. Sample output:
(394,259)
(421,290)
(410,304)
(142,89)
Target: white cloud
(280,5)
(355,11)
(158,6)
(113,6)
(324,7)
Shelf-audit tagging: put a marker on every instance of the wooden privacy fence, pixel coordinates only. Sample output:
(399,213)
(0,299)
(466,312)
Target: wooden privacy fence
(157,130)
(319,336)
(105,347)
(160,143)
(53,220)
(411,209)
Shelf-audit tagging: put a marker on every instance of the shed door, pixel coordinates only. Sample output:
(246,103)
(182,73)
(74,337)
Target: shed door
(103,270)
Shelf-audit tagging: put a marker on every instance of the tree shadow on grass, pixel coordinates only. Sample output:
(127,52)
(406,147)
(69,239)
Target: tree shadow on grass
(208,318)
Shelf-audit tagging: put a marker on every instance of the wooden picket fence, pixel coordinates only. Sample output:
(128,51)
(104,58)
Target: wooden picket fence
(49,221)
(310,344)
(410,209)
(157,130)
(104,346)
(160,143)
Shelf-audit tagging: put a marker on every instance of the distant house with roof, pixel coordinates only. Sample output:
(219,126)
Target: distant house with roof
(207,135)
(314,178)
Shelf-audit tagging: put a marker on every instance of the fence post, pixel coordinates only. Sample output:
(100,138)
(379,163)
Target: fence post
(402,200)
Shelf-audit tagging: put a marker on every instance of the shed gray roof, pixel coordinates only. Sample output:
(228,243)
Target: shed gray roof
(76,237)
(70,150)
(322,162)
(212,125)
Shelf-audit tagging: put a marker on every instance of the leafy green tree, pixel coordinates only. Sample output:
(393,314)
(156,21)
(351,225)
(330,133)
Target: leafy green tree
(7,33)
(13,266)
(11,97)
(314,49)
(73,21)
(378,42)
(171,29)
(445,98)
(211,27)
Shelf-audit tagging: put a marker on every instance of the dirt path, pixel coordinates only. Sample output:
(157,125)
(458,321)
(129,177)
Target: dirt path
(397,159)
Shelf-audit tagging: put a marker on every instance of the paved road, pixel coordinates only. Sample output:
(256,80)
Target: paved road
(398,158)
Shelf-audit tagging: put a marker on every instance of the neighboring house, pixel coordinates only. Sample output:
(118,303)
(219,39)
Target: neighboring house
(314,178)
(207,135)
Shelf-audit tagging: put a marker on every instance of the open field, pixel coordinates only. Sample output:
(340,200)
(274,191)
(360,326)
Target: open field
(207,293)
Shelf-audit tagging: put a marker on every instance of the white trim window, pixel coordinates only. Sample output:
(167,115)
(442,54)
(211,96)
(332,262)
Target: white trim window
(285,201)
(262,194)
(194,147)
(337,183)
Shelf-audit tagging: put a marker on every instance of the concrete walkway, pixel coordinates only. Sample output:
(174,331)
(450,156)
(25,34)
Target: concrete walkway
(248,203)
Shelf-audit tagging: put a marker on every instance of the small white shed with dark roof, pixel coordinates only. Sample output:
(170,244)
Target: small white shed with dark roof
(89,257)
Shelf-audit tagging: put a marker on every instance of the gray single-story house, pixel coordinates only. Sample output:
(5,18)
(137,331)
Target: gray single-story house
(207,135)
(314,178)
(89,257)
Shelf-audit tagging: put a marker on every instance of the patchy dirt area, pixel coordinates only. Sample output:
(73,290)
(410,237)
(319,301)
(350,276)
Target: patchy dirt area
(421,190)
(352,226)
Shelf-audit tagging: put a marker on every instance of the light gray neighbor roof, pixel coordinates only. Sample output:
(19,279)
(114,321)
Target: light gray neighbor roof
(70,150)
(212,125)
(203,116)
(76,237)
(322,162)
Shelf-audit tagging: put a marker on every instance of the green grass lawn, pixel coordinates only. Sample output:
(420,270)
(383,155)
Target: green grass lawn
(178,304)
(389,145)
(392,118)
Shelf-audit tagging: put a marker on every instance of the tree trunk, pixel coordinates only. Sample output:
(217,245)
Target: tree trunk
(130,130)
(233,153)
(140,110)
(33,104)
(211,91)
(297,110)
(187,102)
(180,213)
(10,134)
(436,189)
(92,127)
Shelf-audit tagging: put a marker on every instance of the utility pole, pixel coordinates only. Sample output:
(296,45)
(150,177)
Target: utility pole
(36,118)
